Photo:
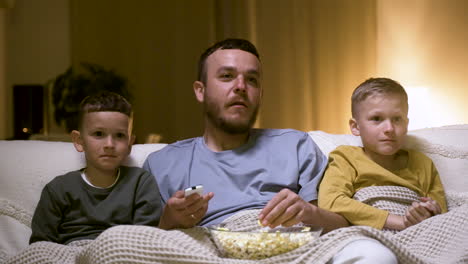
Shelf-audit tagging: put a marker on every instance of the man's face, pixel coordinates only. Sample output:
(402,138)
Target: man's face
(232,93)
(382,123)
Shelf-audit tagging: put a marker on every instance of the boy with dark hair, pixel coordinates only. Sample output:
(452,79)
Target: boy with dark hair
(270,175)
(81,204)
(379,117)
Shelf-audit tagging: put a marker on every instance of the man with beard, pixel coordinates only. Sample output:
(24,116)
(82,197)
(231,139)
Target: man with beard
(273,170)
(240,167)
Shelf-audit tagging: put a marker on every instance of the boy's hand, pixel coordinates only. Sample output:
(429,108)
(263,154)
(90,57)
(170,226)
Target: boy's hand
(184,212)
(417,212)
(431,205)
(286,208)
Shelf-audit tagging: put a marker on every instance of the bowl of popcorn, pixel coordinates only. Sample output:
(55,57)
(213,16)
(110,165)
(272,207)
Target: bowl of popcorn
(262,242)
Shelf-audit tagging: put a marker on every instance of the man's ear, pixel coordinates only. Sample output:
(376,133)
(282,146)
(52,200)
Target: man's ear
(354,127)
(77,141)
(199,89)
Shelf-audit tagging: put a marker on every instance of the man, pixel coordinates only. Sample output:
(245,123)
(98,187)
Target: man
(240,167)
(276,171)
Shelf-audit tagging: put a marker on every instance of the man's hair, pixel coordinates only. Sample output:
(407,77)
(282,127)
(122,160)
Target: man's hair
(374,86)
(104,102)
(230,43)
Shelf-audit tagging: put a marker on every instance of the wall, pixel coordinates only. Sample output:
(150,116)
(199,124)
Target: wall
(155,44)
(38,47)
(308,56)
(314,55)
(422,44)
(4,102)
(5,117)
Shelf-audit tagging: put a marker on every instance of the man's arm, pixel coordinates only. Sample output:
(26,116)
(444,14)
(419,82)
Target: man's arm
(324,218)
(287,208)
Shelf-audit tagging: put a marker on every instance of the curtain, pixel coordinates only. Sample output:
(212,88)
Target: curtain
(314,53)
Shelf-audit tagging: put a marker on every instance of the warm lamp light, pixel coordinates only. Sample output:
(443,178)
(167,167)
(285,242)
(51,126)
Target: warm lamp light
(426,109)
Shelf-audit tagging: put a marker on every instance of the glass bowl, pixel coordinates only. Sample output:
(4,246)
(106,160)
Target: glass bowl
(262,242)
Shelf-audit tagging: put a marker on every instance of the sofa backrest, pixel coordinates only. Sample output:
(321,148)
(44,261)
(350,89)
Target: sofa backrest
(447,146)
(26,166)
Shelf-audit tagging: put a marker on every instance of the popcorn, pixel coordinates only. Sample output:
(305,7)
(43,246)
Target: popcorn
(258,245)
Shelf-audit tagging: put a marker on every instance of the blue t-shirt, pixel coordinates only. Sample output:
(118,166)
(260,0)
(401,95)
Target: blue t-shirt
(243,178)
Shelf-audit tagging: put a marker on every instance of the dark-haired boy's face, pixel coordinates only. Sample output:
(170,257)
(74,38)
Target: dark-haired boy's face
(105,138)
(232,92)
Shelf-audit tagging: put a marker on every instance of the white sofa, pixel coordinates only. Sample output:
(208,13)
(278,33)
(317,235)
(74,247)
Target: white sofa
(26,166)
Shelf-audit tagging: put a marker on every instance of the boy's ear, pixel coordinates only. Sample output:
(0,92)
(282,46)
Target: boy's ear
(77,140)
(354,127)
(130,144)
(199,89)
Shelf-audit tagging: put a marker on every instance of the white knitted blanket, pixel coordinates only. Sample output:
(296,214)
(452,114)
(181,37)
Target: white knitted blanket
(439,239)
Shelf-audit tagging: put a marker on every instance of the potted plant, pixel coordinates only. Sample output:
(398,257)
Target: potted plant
(72,86)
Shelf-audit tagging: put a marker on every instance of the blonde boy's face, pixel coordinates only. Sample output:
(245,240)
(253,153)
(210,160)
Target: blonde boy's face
(382,124)
(105,138)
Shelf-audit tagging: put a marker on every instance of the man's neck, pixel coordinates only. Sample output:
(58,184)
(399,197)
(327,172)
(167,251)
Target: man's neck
(217,140)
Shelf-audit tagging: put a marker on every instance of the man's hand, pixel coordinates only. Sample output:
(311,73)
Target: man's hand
(286,208)
(184,212)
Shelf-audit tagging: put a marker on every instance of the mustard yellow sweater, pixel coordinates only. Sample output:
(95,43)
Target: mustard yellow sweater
(349,170)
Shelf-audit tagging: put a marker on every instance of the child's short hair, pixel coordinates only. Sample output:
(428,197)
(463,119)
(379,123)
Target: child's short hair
(104,102)
(374,86)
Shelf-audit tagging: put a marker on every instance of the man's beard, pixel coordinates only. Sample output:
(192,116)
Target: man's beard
(213,112)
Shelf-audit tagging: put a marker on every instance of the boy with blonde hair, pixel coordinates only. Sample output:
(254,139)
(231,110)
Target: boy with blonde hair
(380,118)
